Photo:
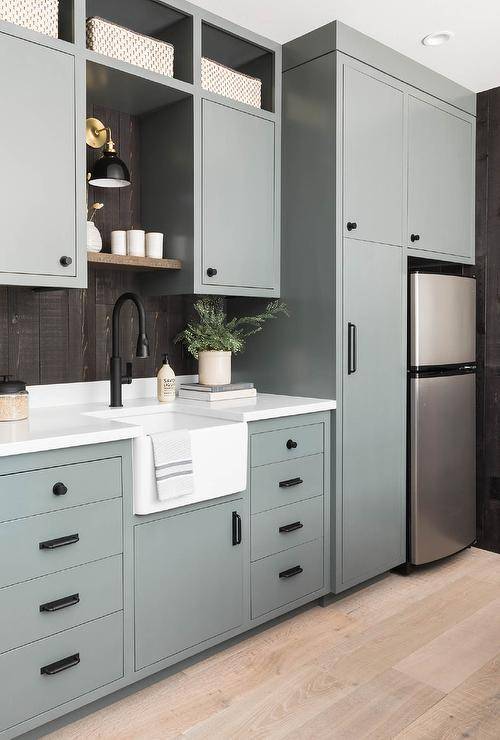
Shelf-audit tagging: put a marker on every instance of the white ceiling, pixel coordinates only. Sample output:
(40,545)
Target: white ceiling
(471,58)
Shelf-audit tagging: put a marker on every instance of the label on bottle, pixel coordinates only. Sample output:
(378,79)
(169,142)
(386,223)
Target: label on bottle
(166,389)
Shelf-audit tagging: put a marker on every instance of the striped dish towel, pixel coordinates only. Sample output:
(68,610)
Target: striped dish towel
(173,464)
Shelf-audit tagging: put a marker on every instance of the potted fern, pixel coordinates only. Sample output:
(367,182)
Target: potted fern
(213,338)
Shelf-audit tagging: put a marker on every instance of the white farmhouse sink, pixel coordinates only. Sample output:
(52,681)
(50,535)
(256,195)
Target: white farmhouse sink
(219,450)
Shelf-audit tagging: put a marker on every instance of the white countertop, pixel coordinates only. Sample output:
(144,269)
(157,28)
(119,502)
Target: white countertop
(51,426)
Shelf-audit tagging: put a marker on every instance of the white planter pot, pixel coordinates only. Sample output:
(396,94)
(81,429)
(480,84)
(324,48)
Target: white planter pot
(94,240)
(214,368)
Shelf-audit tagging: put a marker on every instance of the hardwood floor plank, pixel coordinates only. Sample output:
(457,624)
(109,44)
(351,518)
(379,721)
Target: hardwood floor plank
(451,658)
(377,710)
(471,710)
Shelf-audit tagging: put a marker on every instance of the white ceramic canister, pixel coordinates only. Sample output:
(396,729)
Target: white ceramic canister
(119,242)
(154,245)
(136,243)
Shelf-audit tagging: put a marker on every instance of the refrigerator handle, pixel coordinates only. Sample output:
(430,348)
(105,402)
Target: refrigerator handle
(352,354)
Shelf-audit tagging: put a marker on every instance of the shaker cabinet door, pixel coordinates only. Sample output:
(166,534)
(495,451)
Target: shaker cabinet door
(440,180)
(188,581)
(238,228)
(37,155)
(373,158)
(373,437)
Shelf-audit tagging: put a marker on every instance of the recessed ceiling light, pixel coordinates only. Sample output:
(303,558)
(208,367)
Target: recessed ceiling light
(436,39)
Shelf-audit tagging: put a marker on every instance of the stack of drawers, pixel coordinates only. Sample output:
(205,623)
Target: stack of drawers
(287,506)
(61,601)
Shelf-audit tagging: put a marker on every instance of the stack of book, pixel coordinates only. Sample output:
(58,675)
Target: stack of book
(198,392)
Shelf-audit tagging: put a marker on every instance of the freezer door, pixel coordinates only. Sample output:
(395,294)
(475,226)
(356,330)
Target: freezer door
(442,465)
(443,320)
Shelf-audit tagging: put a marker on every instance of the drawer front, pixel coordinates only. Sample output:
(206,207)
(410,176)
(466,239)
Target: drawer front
(97,526)
(50,489)
(285,483)
(45,606)
(98,646)
(286,444)
(288,526)
(270,591)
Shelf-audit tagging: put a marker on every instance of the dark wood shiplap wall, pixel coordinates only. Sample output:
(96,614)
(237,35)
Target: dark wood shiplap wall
(64,336)
(488,287)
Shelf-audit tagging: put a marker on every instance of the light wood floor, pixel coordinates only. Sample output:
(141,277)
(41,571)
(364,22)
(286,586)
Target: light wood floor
(411,658)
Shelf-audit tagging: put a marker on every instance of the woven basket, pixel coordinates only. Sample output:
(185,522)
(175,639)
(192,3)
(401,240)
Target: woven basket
(225,81)
(33,14)
(129,46)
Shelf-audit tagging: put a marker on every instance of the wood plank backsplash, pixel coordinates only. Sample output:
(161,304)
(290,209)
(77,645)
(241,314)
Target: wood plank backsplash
(488,317)
(64,336)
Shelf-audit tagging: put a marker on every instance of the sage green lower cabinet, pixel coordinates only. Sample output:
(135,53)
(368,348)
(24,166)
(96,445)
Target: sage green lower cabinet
(117,597)
(371,536)
(34,679)
(188,581)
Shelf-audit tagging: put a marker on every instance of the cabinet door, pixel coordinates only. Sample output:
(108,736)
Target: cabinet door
(441,180)
(373,498)
(37,152)
(373,158)
(238,199)
(188,581)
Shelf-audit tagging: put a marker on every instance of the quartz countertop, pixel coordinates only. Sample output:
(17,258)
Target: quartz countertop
(51,427)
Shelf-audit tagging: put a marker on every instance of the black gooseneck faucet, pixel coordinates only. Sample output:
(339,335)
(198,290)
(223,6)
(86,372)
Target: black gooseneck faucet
(142,350)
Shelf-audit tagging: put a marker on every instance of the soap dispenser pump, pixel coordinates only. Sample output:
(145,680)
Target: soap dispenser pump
(166,382)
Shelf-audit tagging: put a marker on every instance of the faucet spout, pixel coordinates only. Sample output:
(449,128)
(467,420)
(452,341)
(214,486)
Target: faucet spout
(142,349)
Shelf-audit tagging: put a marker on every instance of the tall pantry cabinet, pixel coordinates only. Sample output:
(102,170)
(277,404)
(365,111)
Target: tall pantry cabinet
(378,166)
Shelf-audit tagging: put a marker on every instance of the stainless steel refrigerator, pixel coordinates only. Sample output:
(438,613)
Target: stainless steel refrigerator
(442,416)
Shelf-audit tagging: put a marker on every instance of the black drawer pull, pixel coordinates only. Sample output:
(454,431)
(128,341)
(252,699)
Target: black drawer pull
(236,528)
(59,489)
(415,237)
(55,606)
(291,444)
(291,572)
(60,665)
(211,272)
(70,539)
(291,527)
(351,225)
(290,483)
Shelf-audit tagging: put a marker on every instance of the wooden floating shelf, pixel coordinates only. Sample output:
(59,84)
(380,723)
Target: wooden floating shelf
(132,263)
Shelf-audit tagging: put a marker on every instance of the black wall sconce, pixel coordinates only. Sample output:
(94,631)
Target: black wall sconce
(109,171)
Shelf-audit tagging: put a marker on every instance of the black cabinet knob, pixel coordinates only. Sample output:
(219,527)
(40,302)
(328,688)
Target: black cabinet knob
(211,272)
(291,444)
(351,225)
(59,489)
(65,261)
(415,237)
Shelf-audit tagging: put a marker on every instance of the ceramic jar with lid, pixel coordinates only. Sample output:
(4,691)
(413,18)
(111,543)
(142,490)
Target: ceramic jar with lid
(14,403)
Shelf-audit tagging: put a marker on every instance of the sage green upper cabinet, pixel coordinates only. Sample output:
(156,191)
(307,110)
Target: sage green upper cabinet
(440,179)
(372,531)
(239,243)
(373,157)
(188,581)
(37,152)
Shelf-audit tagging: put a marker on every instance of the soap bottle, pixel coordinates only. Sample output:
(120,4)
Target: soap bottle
(166,382)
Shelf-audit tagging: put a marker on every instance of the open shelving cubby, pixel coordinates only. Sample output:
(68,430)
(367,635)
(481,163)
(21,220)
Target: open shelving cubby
(152,126)
(243,56)
(153,19)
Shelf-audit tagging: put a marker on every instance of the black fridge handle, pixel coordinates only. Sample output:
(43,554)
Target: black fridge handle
(352,350)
